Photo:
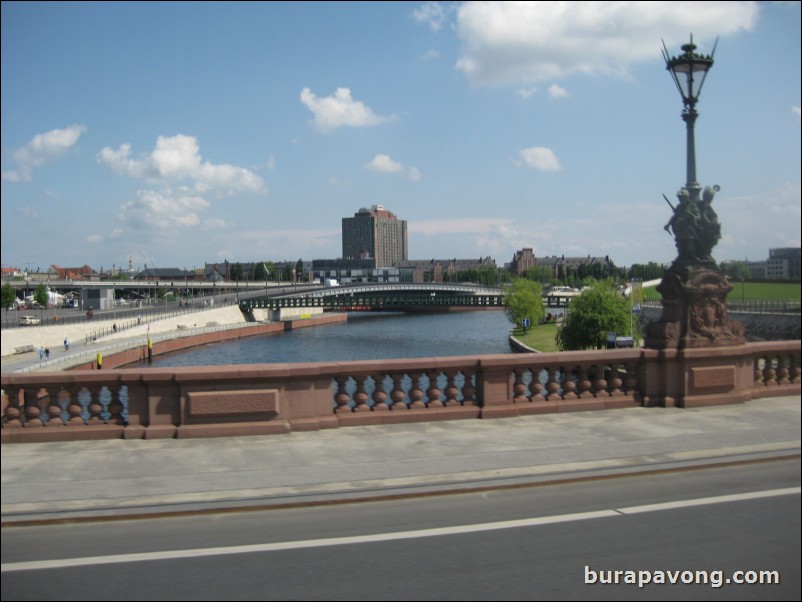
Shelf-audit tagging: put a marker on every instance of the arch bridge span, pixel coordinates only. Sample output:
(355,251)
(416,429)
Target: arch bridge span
(384,297)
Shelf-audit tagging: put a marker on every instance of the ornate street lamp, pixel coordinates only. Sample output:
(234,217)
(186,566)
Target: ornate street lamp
(689,71)
(694,290)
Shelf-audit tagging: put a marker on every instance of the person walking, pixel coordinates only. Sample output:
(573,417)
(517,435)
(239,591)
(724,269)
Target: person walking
(47,354)
(41,353)
(66,344)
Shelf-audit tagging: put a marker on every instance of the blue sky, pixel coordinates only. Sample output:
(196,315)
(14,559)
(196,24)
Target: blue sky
(175,134)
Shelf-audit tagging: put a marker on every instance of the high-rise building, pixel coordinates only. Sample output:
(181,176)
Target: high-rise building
(375,234)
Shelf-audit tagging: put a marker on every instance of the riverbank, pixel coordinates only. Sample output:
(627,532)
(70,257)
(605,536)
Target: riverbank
(131,346)
(538,339)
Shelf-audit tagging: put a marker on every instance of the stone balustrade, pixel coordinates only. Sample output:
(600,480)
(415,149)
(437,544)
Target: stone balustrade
(208,401)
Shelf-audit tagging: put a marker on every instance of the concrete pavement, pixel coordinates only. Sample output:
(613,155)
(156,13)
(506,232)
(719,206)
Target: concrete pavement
(127,478)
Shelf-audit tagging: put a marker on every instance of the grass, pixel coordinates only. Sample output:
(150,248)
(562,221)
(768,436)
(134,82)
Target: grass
(762,291)
(540,337)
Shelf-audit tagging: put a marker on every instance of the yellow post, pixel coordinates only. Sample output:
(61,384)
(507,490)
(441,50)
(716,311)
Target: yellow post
(99,360)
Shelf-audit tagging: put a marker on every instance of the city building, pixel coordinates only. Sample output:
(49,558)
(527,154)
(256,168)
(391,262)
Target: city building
(441,270)
(782,264)
(560,266)
(375,234)
(352,271)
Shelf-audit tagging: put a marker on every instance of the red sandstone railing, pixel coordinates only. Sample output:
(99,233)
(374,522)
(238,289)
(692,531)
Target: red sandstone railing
(269,398)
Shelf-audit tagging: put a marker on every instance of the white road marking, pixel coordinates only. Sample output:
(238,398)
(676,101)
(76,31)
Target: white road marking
(379,537)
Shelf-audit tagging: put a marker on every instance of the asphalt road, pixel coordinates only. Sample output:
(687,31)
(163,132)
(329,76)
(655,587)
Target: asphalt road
(543,542)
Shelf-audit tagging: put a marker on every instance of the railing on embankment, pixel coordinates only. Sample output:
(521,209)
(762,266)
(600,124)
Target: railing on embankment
(268,398)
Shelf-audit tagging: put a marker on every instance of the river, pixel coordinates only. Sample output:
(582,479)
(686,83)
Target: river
(365,336)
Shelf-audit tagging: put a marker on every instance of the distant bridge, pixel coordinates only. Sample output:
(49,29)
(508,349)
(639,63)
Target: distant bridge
(384,297)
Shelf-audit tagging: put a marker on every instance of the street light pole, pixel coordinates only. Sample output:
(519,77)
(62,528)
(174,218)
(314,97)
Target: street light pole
(689,71)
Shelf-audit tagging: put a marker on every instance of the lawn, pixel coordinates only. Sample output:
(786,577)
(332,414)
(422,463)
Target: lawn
(540,338)
(762,291)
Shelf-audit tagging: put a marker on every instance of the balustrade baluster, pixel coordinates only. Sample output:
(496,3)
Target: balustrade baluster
(769,374)
(795,371)
(55,410)
(569,386)
(379,395)
(397,395)
(342,397)
(584,383)
(116,407)
(416,394)
(95,407)
(33,411)
(759,371)
(552,385)
(782,369)
(535,387)
(451,390)
(599,382)
(88,397)
(519,388)
(360,396)
(12,417)
(433,392)
(615,382)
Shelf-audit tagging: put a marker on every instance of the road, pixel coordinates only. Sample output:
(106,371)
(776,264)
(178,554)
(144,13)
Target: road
(530,543)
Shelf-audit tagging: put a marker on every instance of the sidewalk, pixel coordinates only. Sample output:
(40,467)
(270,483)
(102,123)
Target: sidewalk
(81,352)
(125,478)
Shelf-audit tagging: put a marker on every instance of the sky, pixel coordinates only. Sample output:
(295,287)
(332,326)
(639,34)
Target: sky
(177,134)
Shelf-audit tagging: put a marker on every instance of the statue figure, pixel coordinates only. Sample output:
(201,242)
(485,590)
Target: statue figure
(711,229)
(695,226)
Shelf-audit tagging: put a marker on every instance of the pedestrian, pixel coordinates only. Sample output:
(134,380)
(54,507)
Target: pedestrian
(66,344)
(47,354)
(41,353)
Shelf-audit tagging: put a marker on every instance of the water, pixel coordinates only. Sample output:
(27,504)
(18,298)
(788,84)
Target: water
(365,337)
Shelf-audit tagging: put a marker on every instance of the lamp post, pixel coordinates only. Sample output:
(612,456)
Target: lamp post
(689,71)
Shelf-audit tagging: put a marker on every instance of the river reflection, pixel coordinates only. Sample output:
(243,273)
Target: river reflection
(366,336)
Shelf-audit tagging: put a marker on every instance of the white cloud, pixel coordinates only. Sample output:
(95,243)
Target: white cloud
(433,14)
(526,92)
(215,223)
(340,109)
(795,110)
(99,238)
(42,148)
(178,158)
(556,91)
(431,55)
(164,210)
(28,212)
(526,42)
(384,164)
(540,158)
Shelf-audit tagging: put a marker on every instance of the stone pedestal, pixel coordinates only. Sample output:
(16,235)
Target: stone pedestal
(696,328)
(694,310)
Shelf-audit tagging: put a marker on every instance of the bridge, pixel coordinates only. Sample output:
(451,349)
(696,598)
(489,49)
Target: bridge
(383,297)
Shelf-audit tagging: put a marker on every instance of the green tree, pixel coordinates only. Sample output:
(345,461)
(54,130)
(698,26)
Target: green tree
(41,296)
(260,271)
(598,310)
(524,299)
(299,270)
(8,295)
(236,271)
